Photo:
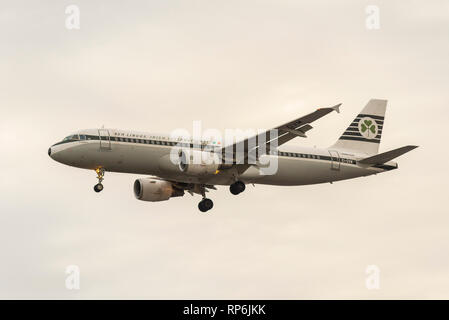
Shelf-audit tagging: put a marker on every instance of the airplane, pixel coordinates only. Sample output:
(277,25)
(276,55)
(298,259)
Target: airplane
(354,154)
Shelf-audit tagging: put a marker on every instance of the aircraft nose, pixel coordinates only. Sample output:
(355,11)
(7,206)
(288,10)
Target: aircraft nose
(49,151)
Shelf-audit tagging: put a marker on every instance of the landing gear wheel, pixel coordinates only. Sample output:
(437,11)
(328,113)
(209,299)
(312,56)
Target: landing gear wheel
(205,205)
(98,187)
(100,176)
(237,187)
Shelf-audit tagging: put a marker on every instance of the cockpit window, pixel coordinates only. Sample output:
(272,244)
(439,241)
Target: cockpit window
(71,138)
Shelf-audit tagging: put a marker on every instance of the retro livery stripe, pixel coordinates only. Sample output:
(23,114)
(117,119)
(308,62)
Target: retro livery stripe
(192,146)
(360,139)
(371,116)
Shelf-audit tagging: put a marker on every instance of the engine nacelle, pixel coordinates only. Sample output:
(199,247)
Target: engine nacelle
(195,162)
(155,190)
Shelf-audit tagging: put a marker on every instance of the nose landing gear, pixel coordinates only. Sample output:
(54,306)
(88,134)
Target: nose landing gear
(100,176)
(98,187)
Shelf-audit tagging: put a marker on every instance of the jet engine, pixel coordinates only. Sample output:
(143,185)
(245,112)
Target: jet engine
(195,162)
(155,190)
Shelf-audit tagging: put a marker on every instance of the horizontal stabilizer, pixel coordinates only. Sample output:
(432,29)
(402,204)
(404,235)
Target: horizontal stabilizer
(387,156)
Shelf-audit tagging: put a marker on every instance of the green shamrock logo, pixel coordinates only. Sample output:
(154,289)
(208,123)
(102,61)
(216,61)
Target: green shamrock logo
(368,128)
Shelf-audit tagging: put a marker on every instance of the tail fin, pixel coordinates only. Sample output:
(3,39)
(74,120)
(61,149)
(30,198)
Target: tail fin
(365,131)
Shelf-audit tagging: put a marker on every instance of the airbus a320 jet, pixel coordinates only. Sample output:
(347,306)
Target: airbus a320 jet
(355,154)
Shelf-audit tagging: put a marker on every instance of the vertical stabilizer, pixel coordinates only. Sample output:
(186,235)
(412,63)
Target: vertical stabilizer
(365,131)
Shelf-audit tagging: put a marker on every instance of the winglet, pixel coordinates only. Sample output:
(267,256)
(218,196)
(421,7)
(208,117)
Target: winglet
(336,108)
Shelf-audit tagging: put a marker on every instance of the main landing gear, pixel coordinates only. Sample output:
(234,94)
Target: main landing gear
(237,187)
(206,204)
(100,176)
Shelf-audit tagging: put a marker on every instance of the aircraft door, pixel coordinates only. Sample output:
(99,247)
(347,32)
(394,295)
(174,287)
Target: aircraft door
(335,160)
(105,139)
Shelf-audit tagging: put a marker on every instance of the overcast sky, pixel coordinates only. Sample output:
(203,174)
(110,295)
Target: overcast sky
(158,66)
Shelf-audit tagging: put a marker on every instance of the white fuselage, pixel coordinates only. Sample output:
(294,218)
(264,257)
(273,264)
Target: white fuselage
(149,154)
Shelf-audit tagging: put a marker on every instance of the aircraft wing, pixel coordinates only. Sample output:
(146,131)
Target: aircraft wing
(251,147)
